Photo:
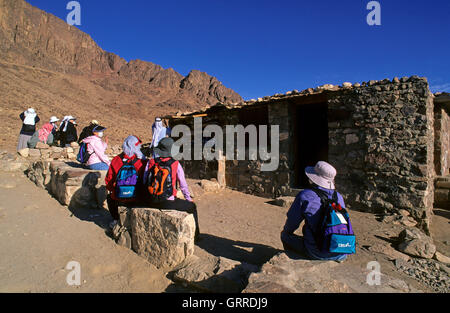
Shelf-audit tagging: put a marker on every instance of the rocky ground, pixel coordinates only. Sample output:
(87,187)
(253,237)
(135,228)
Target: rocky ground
(39,237)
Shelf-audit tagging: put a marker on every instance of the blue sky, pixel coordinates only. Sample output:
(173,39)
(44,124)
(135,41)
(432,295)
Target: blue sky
(262,47)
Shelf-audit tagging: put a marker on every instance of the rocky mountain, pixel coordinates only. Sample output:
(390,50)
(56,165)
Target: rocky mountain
(60,70)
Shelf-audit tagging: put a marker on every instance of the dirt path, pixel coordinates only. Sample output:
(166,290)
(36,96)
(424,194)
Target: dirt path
(38,237)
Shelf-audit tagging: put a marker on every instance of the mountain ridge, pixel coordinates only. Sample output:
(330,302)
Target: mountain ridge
(60,70)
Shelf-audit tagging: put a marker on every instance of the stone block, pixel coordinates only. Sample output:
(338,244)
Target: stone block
(216,274)
(415,243)
(41,145)
(209,186)
(284,202)
(164,237)
(24,152)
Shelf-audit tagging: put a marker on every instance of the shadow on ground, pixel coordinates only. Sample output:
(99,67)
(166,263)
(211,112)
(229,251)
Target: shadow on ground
(241,251)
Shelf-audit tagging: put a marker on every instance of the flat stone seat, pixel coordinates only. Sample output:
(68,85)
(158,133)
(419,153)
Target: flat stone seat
(283,274)
(164,237)
(70,185)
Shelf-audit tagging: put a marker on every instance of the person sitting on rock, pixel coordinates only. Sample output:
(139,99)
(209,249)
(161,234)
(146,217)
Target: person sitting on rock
(44,135)
(131,154)
(307,206)
(68,132)
(161,191)
(96,148)
(87,131)
(29,120)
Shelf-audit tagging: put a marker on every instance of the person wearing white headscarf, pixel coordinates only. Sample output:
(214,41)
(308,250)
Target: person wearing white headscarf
(29,120)
(68,132)
(159,132)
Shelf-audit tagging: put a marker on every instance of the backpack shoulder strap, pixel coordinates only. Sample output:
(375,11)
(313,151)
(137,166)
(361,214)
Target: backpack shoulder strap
(321,194)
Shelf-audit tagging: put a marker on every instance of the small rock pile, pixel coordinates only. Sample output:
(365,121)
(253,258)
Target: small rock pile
(433,273)
(401,218)
(430,272)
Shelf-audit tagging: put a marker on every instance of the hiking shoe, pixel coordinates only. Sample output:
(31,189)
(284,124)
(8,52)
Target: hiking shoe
(113,223)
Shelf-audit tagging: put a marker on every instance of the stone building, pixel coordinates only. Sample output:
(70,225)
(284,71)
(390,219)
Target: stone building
(388,140)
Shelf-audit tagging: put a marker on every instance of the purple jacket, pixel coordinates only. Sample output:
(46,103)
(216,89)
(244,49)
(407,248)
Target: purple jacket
(306,207)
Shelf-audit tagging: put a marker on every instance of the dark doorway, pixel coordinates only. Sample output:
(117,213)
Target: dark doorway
(310,139)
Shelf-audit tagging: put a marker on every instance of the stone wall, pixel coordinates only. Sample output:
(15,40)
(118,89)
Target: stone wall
(381,141)
(384,151)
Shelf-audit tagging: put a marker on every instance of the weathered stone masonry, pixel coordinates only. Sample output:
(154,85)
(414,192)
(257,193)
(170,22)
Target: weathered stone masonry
(381,139)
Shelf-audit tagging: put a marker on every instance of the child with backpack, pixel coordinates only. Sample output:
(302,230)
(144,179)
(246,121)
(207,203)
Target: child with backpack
(327,233)
(94,149)
(160,179)
(124,177)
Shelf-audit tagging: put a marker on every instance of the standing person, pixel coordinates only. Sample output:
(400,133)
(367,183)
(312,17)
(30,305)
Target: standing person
(307,206)
(29,120)
(131,155)
(68,132)
(162,189)
(96,149)
(159,131)
(87,131)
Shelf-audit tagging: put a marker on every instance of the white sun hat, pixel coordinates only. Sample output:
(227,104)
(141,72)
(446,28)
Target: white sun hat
(322,174)
(53,119)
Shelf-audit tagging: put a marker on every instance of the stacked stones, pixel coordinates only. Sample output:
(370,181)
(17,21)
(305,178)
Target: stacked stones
(384,148)
(74,187)
(45,152)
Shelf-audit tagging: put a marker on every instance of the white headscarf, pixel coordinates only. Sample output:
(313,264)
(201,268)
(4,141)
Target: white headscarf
(30,117)
(157,128)
(66,121)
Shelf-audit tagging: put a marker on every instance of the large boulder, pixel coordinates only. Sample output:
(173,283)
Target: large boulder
(415,243)
(285,275)
(164,237)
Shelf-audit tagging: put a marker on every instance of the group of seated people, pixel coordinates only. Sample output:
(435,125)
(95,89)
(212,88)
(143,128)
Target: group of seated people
(134,179)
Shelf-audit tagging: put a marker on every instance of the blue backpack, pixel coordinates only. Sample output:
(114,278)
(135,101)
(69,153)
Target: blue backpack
(335,233)
(126,181)
(83,156)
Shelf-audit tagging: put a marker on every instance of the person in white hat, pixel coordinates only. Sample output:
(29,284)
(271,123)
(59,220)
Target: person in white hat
(307,207)
(29,120)
(68,132)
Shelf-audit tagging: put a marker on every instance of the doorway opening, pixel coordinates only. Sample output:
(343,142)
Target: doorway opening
(310,139)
